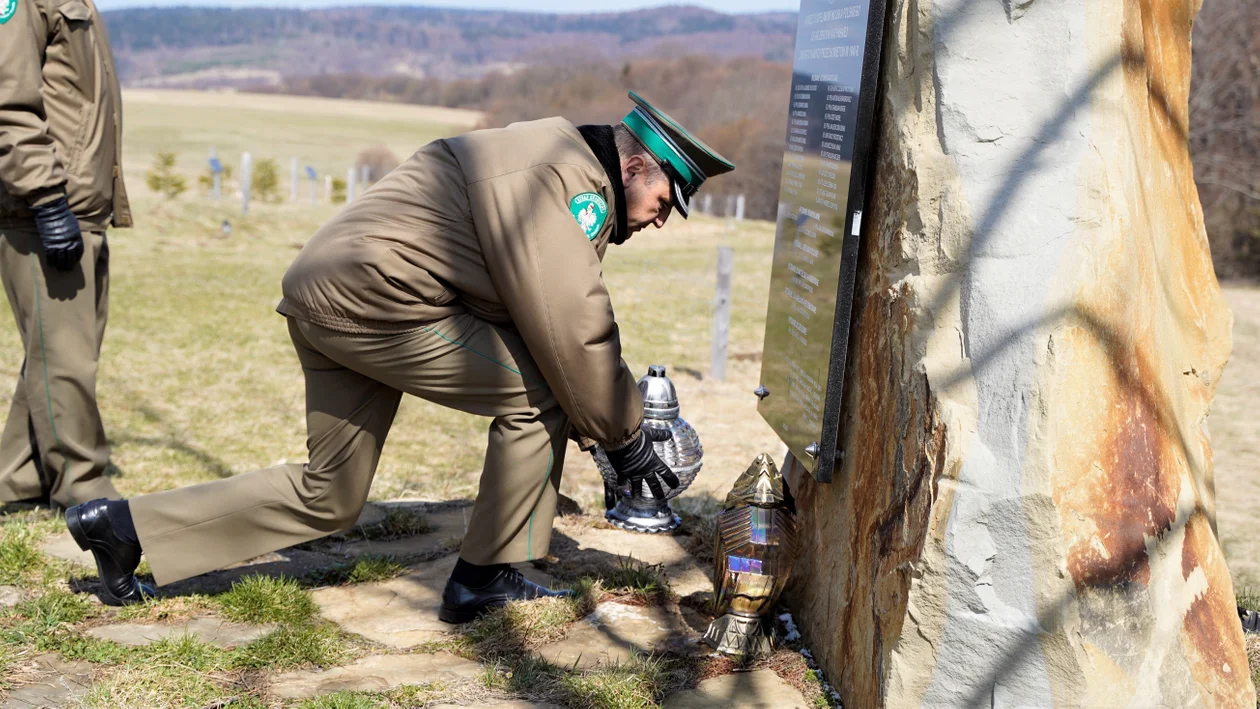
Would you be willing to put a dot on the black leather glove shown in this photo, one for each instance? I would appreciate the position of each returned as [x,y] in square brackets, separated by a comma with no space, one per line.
[639,465]
[59,232]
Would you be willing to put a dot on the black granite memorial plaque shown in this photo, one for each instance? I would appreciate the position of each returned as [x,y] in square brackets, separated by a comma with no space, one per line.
[830,118]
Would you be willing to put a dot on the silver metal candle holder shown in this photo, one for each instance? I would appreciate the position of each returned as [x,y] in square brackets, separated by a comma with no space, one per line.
[640,510]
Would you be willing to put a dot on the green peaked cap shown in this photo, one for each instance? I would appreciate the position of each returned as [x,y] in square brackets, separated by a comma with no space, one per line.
[685,158]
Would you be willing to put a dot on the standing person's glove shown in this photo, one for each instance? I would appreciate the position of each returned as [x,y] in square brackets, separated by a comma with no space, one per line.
[638,463]
[59,232]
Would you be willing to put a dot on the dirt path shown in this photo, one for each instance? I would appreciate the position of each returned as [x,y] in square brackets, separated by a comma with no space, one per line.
[1235,427]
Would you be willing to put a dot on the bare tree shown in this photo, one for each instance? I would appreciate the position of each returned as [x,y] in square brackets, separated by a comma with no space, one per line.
[1225,131]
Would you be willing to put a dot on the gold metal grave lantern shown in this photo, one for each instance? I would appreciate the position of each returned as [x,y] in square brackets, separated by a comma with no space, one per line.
[754,547]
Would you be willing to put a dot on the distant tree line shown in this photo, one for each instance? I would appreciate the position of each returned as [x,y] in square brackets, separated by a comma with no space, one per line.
[739,106]
[1225,131]
[418,28]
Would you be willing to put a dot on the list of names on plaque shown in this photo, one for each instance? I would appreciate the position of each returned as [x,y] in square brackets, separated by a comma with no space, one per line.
[813,209]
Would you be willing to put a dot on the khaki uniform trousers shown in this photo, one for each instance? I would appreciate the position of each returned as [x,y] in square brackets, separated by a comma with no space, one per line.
[53,440]
[353,386]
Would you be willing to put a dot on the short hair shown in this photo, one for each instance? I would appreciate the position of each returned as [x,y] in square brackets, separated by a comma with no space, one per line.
[629,145]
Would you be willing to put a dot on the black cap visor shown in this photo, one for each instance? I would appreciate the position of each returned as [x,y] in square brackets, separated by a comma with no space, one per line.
[683,191]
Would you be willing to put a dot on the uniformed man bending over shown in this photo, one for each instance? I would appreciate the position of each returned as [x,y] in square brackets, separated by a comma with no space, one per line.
[61,185]
[470,277]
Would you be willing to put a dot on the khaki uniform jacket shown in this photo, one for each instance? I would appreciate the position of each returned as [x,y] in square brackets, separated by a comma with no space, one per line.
[60,115]
[481,223]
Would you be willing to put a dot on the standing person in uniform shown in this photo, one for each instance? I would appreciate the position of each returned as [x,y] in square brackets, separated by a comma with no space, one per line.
[61,186]
[470,277]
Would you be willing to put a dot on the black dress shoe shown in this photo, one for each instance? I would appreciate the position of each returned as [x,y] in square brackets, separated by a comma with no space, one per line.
[461,604]
[116,560]
[1250,620]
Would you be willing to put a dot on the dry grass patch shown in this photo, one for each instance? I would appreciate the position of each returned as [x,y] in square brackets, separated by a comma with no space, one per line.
[521,627]
[399,523]
[165,610]
[699,515]
[164,684]
[366,569]
[627,580]
[405,697]
[1252,642]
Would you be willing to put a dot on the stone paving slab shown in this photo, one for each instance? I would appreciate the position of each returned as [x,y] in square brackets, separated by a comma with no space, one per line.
[292,562]
[445,524]
[614,633]
[63,546]
[759,689]
[59,683]
[401,612]
[499,705]
[578,544]
[211,630]
[374,674]
[11,596]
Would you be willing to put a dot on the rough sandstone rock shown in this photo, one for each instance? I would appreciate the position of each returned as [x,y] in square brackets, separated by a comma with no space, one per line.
[1024,515]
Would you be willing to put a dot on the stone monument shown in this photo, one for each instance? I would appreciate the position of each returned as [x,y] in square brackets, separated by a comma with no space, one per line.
[1022,505]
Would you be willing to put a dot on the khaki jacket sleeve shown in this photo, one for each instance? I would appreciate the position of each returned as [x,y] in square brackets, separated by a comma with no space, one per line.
[29,167]
[548,276]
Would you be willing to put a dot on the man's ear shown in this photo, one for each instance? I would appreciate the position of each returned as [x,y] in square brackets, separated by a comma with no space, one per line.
[634,166]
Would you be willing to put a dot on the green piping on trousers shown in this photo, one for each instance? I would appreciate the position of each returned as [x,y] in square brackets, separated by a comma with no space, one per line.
[480,354]
[43,357]
[551,454]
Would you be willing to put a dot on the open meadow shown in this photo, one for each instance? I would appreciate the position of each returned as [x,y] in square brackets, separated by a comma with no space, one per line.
[198,378]
[198,381]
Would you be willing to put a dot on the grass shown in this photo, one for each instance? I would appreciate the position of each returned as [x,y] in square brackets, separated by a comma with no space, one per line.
[398,523]
[366,569]
[18,552]
[198,381]
[266,599]
[1248,598]
[294,646]
[642,582]
[405,697]
[637,684]
[151,124]
[628,580]
[700,513]
[1235,430]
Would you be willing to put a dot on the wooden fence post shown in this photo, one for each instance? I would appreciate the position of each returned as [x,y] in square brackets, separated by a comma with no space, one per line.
[293,180]
[722,312]
[216,176]
[246,172]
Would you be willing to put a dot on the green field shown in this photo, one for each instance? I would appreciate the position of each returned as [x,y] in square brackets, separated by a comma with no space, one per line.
[198,378]
[327,135]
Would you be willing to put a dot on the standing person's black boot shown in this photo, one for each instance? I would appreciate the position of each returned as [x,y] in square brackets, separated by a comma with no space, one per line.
[473,590]
[104,528]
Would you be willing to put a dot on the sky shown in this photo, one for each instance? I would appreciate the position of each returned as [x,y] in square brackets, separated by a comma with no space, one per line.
[523,5]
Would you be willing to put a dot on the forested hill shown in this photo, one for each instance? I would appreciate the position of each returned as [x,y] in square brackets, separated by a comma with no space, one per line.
[192,46]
